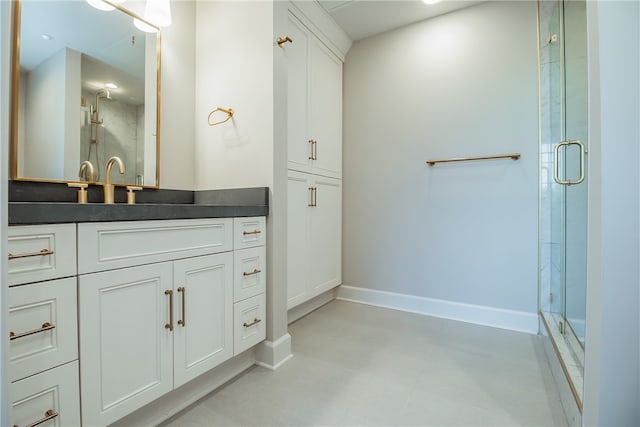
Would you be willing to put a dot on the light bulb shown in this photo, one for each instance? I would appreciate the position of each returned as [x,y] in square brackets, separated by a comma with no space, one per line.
[143,26]
[100,5]
[158,12]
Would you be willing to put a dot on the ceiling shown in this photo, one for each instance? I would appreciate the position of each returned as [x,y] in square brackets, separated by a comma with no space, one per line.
[364,18]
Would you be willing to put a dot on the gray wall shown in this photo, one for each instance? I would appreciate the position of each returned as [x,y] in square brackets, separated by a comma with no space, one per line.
[462,84]
[612,352]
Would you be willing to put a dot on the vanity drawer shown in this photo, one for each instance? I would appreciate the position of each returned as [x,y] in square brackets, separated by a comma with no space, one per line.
[109,245]
[248,323]
[249,266]
[43,321]
[51,395]
[41,252]
[249,232]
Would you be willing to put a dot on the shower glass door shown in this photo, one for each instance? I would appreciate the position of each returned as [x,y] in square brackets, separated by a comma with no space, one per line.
[563,178]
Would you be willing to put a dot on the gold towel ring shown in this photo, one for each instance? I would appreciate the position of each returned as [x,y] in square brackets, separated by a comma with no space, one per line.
[229,113]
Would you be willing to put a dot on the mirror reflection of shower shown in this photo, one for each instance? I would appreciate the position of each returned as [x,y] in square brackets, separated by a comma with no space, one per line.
[96,121]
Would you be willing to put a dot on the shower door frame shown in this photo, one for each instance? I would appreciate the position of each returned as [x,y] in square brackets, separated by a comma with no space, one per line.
[553,306]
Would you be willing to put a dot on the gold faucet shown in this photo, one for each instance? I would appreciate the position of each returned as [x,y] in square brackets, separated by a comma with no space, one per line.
[108,186]
[86,168]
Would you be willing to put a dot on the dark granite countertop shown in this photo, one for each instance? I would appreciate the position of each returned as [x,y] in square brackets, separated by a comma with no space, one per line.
[46,203]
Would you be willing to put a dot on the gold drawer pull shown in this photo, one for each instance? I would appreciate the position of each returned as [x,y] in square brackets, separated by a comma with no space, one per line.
[255,322]
[49,415]
[251,273]
[169,325]
[45,327]
[251,232]
[43,252]
[182,321]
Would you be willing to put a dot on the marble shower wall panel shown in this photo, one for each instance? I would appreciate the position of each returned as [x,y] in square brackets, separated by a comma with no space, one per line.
[550,134]
[117,136]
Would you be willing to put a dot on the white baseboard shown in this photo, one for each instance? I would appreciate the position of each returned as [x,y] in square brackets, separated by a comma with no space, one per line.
[313,304]
[482,315]
[273,354]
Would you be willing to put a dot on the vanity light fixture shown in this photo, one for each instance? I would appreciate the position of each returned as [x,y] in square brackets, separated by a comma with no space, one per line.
[156,12]
[431,1]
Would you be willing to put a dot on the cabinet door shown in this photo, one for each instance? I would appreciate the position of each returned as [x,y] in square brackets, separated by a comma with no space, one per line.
[325,110]
[204,314]
[299,199]
[297,54]
[50,398]
[325,235]
[125,344]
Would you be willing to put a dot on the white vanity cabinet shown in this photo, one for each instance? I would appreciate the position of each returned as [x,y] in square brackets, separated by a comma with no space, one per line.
[314,236]
[147,329]
[42,323]
[249,283]
[314,103]
[106,317]
[158,306]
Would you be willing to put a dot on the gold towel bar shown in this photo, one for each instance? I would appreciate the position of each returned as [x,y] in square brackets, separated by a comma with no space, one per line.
[228,111]
[514,156]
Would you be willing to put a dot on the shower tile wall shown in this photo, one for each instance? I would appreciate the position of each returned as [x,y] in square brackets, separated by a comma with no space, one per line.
[117,136]
[550,133]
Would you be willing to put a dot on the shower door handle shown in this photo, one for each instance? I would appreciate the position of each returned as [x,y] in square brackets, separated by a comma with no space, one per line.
[556,163]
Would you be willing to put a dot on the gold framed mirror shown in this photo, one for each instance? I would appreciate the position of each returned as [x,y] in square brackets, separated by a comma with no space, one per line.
[85,88]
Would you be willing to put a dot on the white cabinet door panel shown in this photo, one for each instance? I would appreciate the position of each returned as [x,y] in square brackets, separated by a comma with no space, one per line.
[326,110]
[297,55]
[297,238]
[325,235]
[314,236]
[125,348]
[204,314]
[314,103]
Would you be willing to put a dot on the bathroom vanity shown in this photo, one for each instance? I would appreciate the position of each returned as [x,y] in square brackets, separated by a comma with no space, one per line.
[107,316]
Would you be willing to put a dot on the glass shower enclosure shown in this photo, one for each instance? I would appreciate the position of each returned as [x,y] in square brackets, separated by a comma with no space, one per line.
[563,181]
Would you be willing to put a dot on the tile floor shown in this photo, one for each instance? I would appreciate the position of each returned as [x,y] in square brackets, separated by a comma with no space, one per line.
[355,364]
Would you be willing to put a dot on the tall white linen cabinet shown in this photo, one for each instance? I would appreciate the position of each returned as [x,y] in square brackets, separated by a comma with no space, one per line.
[314,191]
